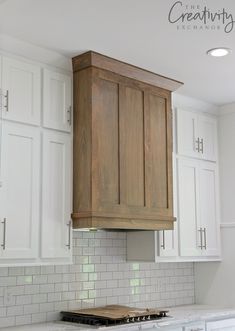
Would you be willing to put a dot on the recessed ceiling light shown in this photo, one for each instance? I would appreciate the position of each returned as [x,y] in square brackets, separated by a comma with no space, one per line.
[219,52]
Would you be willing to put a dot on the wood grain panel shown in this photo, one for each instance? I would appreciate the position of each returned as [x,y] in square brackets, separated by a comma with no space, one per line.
[123,223]
[82,141]
[156,152]
[131,147]
[105,142]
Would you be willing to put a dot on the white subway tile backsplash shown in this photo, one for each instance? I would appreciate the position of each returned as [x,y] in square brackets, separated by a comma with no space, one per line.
[23,299]
[15,310]
[7,281]
[16,271]
[99,276]
[24,319]
[7,321]
[39,298]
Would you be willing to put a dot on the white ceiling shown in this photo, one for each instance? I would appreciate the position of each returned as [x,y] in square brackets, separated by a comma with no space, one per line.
[135,31]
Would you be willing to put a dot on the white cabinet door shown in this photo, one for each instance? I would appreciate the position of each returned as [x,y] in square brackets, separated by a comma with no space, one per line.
[196,135]
[187,133]
[198,208]
[188,207]
[168,243]
[209,208]
[208,138]
[21,85]
[224,325]
[19,195]
[57,103]
[56,195]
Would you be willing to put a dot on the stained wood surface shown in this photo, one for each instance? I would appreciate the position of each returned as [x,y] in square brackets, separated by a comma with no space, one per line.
[131,146]
[117,312]
[122,152]
[121,68]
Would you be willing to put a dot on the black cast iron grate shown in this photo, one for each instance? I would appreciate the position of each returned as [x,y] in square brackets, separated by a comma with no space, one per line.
[101,321]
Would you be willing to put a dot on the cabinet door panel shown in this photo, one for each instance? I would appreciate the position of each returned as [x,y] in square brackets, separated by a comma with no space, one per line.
[188,207]
[56,195]
[207,132]
[131,147]
[106,143]
[20,190]
[208,208]
[168,239]
[22,81]
[168,243]
[187,133]
[156,153]
[57,101]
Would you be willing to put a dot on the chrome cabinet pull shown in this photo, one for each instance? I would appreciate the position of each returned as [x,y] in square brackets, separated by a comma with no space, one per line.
[69,236]
[198,329]
[163,245]
[205,239]
[6,96]
[69,115]
[4,234]
[201,146]
[200,245]
[197,142]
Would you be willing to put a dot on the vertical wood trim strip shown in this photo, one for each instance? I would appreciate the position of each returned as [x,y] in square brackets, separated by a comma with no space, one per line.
[169,156]
[118,128]
[144,154]
[167,153]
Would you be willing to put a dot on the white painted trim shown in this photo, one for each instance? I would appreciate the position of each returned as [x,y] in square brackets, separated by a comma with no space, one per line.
[189,103]
[227,225]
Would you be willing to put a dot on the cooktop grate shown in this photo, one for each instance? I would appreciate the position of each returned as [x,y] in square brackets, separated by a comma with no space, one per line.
[103,321]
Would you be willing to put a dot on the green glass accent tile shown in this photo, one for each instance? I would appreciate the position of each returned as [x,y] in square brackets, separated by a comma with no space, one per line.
[135,266]
[88,268]
[92,294]
[93,277]
[83,295]
[134,282]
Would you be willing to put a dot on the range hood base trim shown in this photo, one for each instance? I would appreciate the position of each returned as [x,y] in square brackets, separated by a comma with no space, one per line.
[122,223]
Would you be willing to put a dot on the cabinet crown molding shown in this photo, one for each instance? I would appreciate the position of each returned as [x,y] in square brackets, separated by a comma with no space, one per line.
[94,59]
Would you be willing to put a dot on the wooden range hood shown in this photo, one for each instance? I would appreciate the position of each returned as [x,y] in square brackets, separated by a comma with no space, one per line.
[122,146]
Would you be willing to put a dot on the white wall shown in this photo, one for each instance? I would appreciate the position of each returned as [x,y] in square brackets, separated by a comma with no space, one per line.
[215,282]
[185,102]
[32,52]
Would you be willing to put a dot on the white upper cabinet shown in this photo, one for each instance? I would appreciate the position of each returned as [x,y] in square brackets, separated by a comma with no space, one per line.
[209,209]
[19,194]
[21,88]
[35,164]
[187,133]
[56,195]
[168,242]
[57,106]
[198,208]
[208,137]
[196,135]
[188,207]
